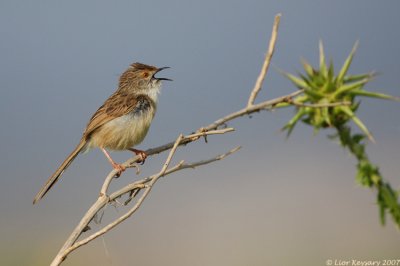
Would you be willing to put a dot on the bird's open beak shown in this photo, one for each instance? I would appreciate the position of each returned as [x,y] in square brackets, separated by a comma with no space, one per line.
[158,70]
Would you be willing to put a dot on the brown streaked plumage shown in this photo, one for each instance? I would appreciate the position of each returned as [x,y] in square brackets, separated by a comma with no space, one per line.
[121,122]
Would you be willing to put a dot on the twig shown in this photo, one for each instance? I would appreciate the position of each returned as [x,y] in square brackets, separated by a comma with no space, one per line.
[181,165]
[315,105]
[267,61]
[320,105]
[203,132]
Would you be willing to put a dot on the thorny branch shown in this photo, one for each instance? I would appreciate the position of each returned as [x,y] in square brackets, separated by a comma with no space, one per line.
[267,61]
[315,105]
[145,185]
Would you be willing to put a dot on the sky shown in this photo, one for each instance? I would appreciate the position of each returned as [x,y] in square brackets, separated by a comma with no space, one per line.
[275,202]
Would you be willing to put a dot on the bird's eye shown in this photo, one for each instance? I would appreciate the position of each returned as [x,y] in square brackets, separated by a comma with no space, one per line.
[145,74]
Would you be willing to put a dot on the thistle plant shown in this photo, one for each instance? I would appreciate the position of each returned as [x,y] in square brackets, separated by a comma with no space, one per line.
[331,101]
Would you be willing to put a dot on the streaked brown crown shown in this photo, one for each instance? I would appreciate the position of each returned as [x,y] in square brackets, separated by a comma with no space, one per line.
[140,67]
[136,76]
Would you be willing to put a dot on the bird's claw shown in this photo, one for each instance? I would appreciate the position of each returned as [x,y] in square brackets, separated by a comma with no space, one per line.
[142,155]
[120,168]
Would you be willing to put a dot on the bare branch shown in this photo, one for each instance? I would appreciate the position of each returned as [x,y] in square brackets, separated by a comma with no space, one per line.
[182,165]
[267,61]
[320,105]
[141,184]
[202,132]
[145,185]
[291,101]
[103,200]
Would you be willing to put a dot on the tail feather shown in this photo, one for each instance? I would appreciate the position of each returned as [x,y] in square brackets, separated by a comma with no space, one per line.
[57,174]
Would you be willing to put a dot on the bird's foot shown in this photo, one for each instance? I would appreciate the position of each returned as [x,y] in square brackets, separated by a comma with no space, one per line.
[141,153]
[119,167]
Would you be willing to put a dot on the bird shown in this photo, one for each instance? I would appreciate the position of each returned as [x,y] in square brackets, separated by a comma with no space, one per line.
[121,122]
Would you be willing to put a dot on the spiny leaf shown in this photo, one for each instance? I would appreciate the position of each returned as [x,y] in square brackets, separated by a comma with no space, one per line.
[351,86]
[346,64]
[325,87]
[292,122]
[331,72]
[315,95]
[305,79]
[322,63]
[307,67]
[374,95]
[357,121]
[361,125]
[354,78]
[296,81]
[325,115]
[318,119]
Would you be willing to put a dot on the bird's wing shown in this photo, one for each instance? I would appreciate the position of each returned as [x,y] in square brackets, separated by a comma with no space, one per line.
[117,105]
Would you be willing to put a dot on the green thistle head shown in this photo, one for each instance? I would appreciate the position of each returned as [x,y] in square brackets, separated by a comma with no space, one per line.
[323,90]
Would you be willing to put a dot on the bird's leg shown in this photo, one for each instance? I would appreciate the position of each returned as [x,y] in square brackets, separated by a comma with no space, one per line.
[115,165]
[141,153]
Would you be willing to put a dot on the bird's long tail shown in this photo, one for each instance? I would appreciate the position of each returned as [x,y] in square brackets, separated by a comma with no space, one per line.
[57,174]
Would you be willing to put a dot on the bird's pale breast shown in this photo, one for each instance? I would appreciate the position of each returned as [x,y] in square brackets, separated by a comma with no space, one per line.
[123,132]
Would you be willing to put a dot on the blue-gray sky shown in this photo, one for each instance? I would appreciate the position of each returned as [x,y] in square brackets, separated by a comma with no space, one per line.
[276,202]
